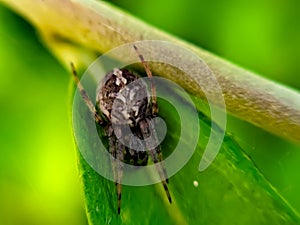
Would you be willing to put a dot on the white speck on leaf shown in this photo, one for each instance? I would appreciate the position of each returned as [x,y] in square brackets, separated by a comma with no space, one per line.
[195,183]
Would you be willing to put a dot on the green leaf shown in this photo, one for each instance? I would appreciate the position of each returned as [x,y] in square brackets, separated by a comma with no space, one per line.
[230,191]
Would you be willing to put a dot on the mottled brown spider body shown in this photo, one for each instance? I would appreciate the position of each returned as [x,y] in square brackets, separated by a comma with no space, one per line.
[123,102]
[114,92]
[123,107]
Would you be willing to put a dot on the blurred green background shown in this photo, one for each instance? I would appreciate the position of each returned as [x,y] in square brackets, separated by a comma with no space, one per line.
[38,177]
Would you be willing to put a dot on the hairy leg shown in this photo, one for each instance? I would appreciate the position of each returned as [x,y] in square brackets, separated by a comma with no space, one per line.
[150,137]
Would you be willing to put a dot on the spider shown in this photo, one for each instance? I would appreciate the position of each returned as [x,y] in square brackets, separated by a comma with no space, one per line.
[113,89]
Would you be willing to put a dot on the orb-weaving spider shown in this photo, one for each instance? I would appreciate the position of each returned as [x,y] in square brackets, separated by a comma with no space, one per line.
[130,111]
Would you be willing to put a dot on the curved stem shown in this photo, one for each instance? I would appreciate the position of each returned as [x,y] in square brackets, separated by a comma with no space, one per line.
[98,26]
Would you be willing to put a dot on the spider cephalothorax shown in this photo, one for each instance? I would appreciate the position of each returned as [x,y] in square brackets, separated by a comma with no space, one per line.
[125,105]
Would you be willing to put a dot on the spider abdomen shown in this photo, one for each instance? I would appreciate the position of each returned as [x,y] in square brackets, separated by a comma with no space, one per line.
[122,97]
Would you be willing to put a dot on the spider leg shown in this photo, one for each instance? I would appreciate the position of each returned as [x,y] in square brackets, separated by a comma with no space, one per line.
[116,149]
[162,172]
[119,173]
[160,159]
[150,137]
[149,74]
[86,98]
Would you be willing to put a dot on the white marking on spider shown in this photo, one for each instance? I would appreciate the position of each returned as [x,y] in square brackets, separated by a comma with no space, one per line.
[136,110]
[120,79]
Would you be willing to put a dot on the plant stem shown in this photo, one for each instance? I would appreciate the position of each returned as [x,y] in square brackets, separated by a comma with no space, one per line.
[98,26]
